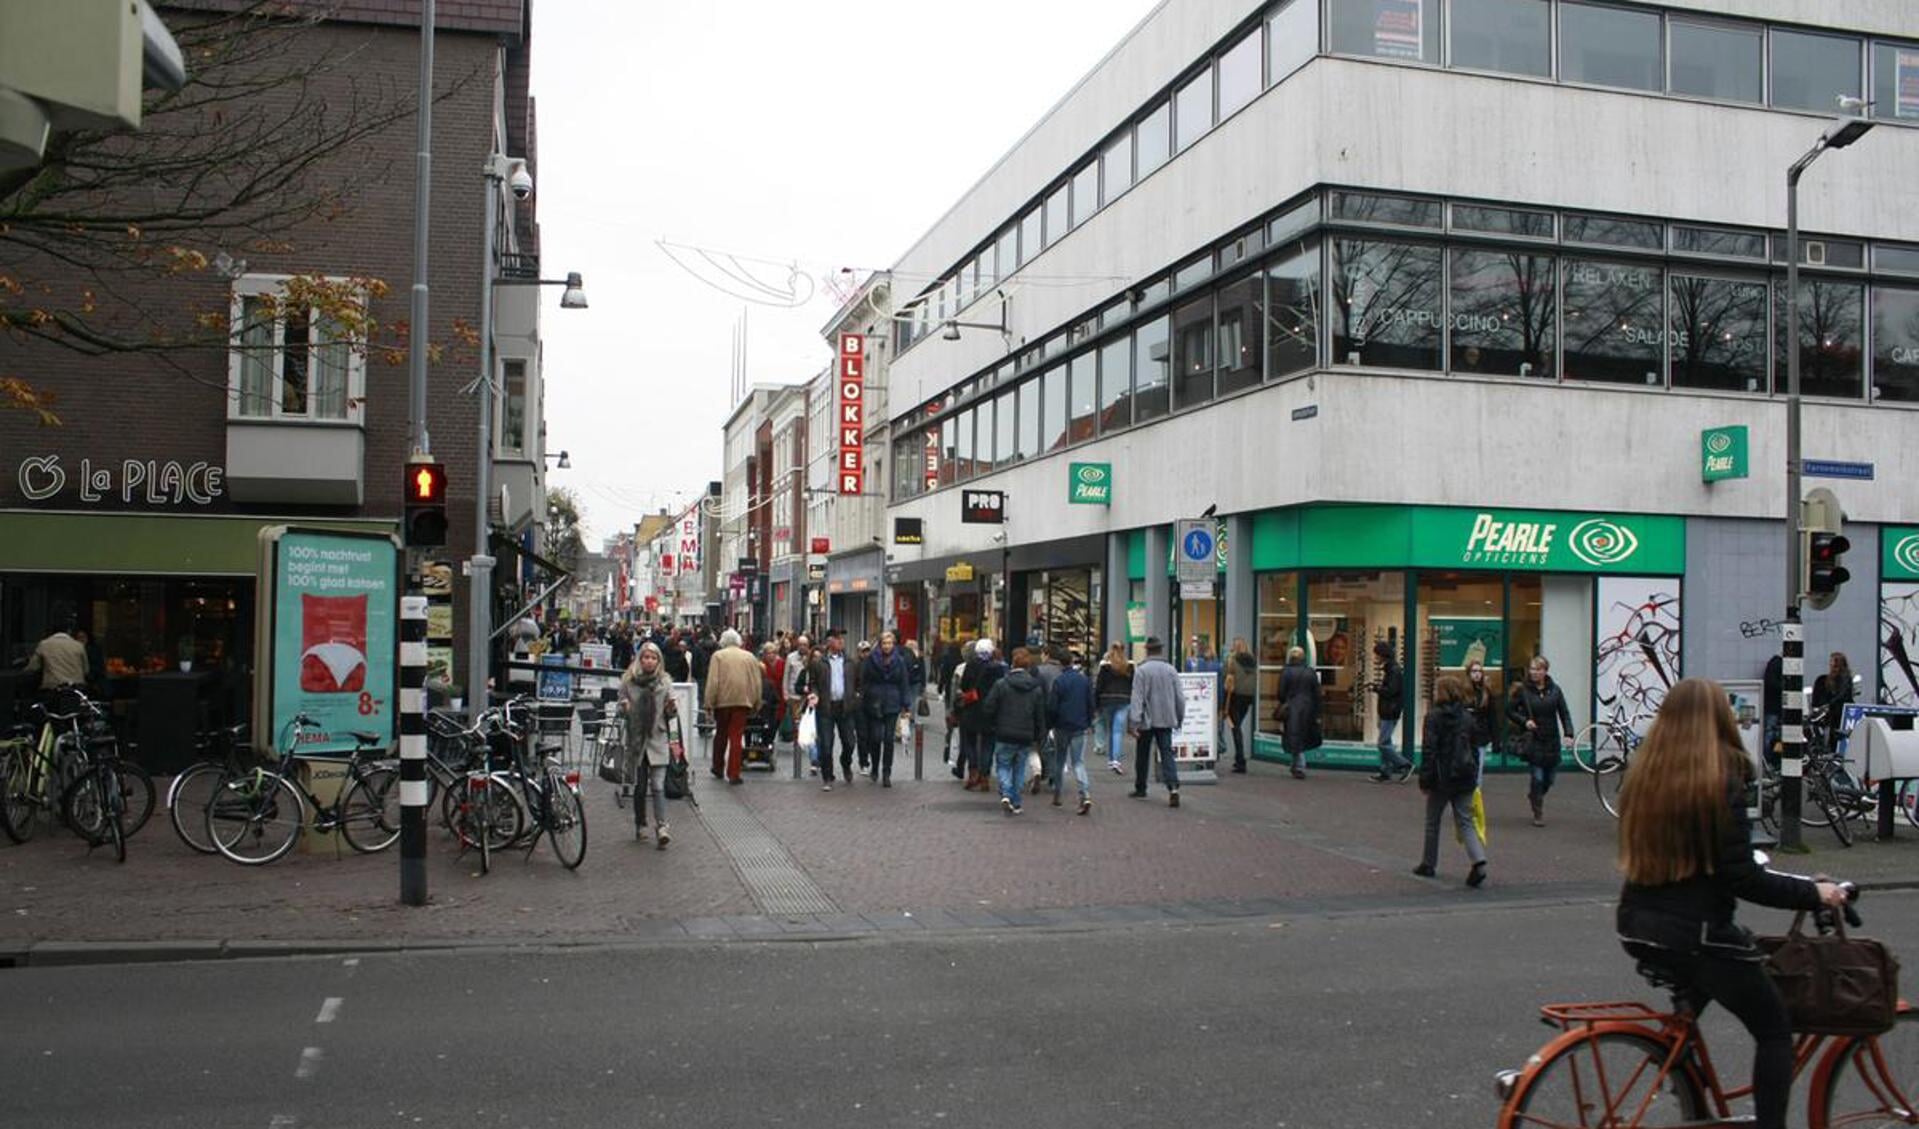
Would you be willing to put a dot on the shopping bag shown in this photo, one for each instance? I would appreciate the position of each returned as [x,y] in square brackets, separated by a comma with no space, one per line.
[903,732]
[806,734]
[1479,819]
[1035,767]
[1833,984]
[610,768]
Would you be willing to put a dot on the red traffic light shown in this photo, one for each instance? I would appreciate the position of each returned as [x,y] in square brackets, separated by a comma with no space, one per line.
[426,484]
[1827,547]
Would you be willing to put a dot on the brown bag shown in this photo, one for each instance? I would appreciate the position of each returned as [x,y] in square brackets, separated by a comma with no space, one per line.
[1833,984]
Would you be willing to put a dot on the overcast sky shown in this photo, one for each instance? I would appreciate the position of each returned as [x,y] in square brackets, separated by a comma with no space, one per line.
[829,134]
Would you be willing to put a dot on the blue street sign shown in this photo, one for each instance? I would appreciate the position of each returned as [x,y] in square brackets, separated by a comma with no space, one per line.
[1832,468]
[1199,546]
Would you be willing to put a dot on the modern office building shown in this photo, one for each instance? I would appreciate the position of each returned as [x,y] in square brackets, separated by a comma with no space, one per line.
[1466,318]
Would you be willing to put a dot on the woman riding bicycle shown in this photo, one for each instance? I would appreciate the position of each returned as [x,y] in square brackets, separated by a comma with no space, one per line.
[1685,847]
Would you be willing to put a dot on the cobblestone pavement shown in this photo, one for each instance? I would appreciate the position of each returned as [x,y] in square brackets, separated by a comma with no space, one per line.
[777,855]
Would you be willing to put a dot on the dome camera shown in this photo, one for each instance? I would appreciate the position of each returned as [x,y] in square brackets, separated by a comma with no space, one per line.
[521,182]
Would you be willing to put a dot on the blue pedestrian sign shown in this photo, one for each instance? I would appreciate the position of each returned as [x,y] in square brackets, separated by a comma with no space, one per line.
[1194,560]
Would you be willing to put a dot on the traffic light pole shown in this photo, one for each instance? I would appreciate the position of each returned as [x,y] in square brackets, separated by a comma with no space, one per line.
[480,565]
[1792,668]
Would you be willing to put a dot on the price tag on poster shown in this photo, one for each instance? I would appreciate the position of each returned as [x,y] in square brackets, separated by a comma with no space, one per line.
[1193,746]
[555,685]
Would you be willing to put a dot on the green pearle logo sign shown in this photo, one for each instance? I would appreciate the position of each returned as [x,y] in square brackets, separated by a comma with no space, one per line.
[1901,558]
[1091,484]
[1722,453]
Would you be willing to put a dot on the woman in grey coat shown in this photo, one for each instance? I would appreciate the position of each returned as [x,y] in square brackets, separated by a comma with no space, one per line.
[1299,709]
[646,697]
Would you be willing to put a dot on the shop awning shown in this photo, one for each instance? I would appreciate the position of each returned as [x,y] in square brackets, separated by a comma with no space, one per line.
[145,544]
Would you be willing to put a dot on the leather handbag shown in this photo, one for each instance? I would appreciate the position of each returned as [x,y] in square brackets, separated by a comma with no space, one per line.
[1833,984]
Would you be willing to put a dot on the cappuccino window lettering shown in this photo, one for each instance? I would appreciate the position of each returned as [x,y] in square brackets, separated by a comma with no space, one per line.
[1502,318]
[1895,335]
[1717,331]
[1614,320]
[1386,304]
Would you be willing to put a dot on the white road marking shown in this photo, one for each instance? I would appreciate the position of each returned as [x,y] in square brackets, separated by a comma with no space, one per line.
[328,1010]
[309,1063]
[351,962]
[283,1121]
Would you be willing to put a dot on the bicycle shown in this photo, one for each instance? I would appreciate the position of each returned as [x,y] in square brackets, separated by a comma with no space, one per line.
[257,814]
[1625,1065]
[1604,746]
[550,796]
[37,773]
[193,791]
[96,803]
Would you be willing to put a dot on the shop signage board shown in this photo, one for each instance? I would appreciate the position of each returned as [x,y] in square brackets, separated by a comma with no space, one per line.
[1193,740]
[816,572]
[909,531]
[961,573]
[852,421]
[982,507]
[1438,537]
[1899,552]
[1090,484]
[1194,551]
[1722,453]
[1135,622]
[331,626]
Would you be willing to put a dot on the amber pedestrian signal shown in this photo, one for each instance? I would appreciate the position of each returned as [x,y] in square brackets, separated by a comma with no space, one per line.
[425,505]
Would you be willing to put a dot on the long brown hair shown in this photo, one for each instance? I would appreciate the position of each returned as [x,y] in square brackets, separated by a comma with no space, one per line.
[1117,660]
[1673,806]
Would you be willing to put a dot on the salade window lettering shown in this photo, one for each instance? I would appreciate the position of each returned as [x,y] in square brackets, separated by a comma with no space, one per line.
[1613,322]
[154,482]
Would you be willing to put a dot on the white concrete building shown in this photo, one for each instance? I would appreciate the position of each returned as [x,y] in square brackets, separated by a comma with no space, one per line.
[1432,303]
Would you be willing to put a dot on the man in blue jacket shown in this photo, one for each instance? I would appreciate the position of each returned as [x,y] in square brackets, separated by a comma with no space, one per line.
[1073,710]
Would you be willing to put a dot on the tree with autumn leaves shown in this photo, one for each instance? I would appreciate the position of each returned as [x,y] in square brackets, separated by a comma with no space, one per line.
[121,244]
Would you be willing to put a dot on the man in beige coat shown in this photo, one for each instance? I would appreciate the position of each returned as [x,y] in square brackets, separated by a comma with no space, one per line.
[732,692]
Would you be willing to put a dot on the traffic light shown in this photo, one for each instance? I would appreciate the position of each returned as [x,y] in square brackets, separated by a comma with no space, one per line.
[1822,543]
[425,505]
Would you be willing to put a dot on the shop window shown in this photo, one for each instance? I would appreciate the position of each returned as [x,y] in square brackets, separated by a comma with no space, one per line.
[963,456]
[292,358]
[1401,211]
[1502,319]
[1030,242]
[1462,621]
[1614,322]
[1082,398]
[1239,74]
[1193,110]
[1116,167]
[1152,363]
[1525,634]
[1278,632]
[1155,134]
[1193,334]
[1718,334]
[1713,60]
[1831,338]
[1293,301]
[1058,217]
[1386,304]
[1085,193]
[1895,339]
[949,451]
[1614,232]
[1116,385]
[1895,68]
[1240,345]
[1609,46]
[1346,613]
[1387,29]
[1292,38]
[1029,446]
[1812,72]
[1509,36]
[1005,443]
[1052,410]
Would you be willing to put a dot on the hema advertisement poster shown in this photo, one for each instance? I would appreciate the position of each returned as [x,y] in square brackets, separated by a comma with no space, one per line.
[334,606]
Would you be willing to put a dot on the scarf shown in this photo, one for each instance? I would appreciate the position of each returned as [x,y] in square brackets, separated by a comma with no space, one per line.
[646,706]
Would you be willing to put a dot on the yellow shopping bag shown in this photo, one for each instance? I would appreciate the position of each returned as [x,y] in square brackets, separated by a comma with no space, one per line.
[1479,819]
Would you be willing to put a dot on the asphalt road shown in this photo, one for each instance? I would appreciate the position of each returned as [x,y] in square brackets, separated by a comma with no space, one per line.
[1393,1016]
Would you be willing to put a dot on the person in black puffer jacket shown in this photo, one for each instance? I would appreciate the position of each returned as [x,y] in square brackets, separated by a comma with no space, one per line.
[1016,709]
[1539,709]
[976,680]
[1686,849]
[1448,774]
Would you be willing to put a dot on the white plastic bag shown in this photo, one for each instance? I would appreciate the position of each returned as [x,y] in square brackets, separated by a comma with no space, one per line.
[806,735]
[903,732]
[1035,767]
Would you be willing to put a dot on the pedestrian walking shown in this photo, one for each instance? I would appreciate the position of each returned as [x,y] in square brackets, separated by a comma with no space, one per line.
[886,692]
[1242,682]
[646,697]
[977,679]
[1049,661]
[1073,711]
[1448,775]
[1390,691]
[836,708]
[1016,707]
[1298,711]
[1482,706]
[1833,689]
[1157,708]
[1543,724]
[1113,688]
[733,690]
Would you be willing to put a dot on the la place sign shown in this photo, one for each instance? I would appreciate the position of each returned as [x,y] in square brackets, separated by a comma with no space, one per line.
[155,482]
[852,396]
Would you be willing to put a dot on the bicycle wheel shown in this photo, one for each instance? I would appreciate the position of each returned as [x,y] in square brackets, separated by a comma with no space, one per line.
[18,805]
[505,817]
[114,816]
[1605,1079]
[255,817]
[1599,748]
[370,811]
[565,821]
[1872,1081]
[1819,798]
[1607,783]
[83,808]
[136,796]
[187,800]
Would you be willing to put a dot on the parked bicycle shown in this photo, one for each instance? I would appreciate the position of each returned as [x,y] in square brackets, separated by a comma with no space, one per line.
[111,799]
[38,767]
[223,754]
[1604,749]
[257,814]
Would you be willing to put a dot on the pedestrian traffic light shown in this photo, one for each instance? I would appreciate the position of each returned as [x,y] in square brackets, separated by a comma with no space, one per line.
[1822,543]
[425,492]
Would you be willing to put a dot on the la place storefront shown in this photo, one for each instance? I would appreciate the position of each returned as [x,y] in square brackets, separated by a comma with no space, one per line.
[1597,594]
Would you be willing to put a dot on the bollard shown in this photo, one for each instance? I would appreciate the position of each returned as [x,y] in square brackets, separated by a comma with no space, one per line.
[919,753]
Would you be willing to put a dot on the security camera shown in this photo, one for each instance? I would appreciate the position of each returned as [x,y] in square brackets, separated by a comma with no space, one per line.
[521,182]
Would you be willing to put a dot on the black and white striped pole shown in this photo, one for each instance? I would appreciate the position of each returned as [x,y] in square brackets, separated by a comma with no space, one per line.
[413,747]
[1792,727]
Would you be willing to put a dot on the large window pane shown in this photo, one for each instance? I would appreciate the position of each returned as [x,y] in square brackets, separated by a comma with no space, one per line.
[1502,320]
[1008,251]
[1503,221]
[1029,236]
[1116,384]
[1512,36]
[1610,46]
[1082,397]
[1367,207]
[1810,72]
[1386,304]
[1293,302]
[1831,338]
[1193,109]
[983,437]
[1895,340]
[1116,168]
[963,448]
[1152,362]
[1278,633]
[1716,61]
[949,452]
[1029,419]
[257,358]
[1155,134]
[1052,409]
[1005,446]
[1895,81]
[1392,29]
[1292,38]
[1241,326]
[1614,321]
[1058,221]
[1615,232]
[1085,193]
[1193,337]
[1239,73]
[1718,334]
[513,407]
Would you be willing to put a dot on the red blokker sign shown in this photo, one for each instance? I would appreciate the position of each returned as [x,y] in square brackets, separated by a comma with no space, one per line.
[852,422]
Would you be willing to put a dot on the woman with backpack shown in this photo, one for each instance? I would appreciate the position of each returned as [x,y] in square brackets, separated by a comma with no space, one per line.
[1448,775]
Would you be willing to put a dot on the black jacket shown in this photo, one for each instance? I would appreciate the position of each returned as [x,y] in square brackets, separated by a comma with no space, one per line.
[1481,711]
[1113,688]
[1391,690]
[1696,914]
[885,685]
[675,662]
[979,676]
[1016,708]
[1299,695]
[1547,707]
[1445,727]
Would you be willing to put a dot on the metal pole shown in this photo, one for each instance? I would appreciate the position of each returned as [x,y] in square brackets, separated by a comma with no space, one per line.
[480,566]
[1792,637]
[412,656]
[422,203]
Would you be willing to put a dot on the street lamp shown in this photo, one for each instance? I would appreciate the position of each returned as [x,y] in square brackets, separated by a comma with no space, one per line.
[565,463]
[1842,132]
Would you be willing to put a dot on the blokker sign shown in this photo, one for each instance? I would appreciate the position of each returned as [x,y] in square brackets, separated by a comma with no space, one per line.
[852,397]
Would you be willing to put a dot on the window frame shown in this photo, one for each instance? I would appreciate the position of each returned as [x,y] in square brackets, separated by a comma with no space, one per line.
[1862,62]
[274,285]
[1705,20]
[1661,74]
[1450,24]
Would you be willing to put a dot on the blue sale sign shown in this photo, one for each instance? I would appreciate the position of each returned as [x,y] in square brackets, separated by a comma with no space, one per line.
[334,602]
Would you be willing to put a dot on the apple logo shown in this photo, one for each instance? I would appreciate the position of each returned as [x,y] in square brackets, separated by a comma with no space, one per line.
[42,477]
